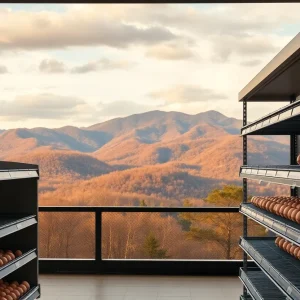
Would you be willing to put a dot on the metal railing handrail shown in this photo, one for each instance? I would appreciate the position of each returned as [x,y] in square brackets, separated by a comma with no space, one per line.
[137,266]
[135,209]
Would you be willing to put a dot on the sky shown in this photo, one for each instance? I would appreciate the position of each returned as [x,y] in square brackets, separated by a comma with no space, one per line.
[81,64]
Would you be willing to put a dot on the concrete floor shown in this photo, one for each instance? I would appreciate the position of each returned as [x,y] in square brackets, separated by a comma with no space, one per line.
[85,287]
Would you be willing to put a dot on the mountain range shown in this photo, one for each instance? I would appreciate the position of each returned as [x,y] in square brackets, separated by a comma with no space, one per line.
[167,156]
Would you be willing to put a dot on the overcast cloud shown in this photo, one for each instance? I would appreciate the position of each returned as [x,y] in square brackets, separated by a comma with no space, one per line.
[186,94]
[170,52]
[123,108]
[184,57]
[3,69]
[251,63]
[102,65]
[46,30]
[41,106]
[51,66]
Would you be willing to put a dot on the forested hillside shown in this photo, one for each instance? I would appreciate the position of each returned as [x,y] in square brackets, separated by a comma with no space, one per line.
[164,157]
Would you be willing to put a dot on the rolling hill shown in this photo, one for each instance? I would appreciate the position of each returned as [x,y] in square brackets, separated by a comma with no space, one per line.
[64,163]
[163,156]
[166,125]
[18,141]
[169,183]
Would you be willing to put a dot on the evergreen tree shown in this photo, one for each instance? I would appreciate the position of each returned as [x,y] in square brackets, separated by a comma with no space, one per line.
[152,248]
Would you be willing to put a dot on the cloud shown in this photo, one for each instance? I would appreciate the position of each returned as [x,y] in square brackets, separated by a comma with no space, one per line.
[48,106]
[218,27]
[122,108]
[40,106]
[186,94]
[3,69]
[251,63]
[153,26]
[103,64]
[51,66]
[86,68]
[246,46]
[40,30]
[170,52]
[215,19]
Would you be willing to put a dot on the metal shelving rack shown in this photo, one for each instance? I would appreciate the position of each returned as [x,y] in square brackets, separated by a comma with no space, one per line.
[19,223]
[276,270]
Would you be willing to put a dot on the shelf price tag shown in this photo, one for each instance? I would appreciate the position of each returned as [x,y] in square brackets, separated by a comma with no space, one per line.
[268,221]
[260,217]
[20,226]
[289,290]
[258,257]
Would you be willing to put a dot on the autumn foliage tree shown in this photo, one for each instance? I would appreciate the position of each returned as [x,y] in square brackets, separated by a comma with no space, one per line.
[143,203]
[220,229]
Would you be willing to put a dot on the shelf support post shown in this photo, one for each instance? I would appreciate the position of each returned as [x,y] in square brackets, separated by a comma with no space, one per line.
[245,192]
[294,152]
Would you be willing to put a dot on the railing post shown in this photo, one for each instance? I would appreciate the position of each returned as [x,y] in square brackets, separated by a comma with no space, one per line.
[98,233]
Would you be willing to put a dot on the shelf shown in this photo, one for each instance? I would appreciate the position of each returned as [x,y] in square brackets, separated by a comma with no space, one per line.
[259,286]
[15,170]
[17,263]
[281,226]
[284,121]
[247,298]
[18,174]
[277,81]
[284,174]
[18,223]
[279,266]
[10,225]
[32,294]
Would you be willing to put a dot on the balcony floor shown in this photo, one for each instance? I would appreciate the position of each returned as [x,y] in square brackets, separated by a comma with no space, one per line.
[111,287]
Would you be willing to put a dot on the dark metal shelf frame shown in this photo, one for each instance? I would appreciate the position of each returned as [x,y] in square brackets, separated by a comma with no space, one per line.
[18,223]
[17,263]
[18,174]
[277,81]
[281,122]
[32,294]
[9,225]
[246,298]
[286,228]
[282,268]
[259,286]
[285,174]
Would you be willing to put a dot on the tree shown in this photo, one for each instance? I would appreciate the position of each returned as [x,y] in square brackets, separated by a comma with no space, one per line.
[143,203]
[152,248]
[222,229]
[185,223]
[229,195]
